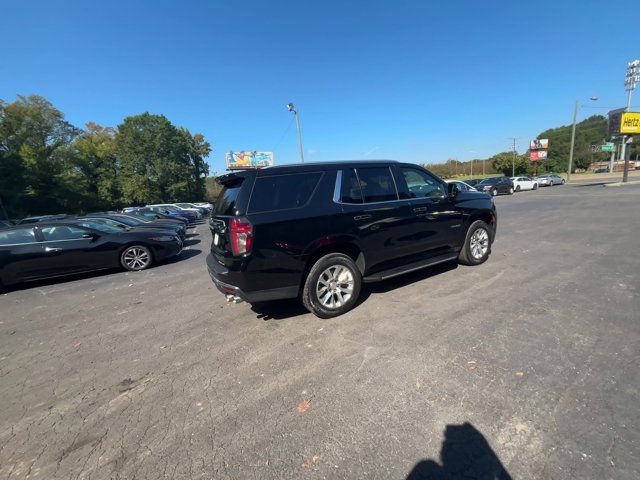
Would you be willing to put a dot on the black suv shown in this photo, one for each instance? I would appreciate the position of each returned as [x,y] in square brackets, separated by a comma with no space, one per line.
[319,230]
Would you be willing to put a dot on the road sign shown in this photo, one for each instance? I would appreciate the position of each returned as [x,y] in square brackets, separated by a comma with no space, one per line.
[608,147]
[630,122]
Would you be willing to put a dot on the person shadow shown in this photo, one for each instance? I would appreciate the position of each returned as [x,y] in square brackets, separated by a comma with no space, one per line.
[465,454]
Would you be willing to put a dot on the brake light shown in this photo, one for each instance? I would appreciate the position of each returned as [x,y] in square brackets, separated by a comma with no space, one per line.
[241,235]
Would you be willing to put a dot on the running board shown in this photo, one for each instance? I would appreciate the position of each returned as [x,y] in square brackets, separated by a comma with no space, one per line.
[410,267]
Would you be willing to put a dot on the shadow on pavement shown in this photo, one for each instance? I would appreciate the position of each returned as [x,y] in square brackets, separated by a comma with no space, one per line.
[465,454]
[279,309]
[283,309]
[191,241]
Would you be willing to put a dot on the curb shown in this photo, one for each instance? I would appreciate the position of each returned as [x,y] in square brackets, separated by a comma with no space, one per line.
[621,184]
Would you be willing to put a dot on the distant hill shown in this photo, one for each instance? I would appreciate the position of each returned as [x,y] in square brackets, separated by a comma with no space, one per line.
[592,131]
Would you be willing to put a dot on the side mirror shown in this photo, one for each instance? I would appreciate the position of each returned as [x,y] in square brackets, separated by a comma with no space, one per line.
[453,190]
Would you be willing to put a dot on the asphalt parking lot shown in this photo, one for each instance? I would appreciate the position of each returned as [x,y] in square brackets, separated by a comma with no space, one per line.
[527,363]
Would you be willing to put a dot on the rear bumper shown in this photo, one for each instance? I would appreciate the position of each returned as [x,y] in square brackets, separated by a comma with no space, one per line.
[229,283]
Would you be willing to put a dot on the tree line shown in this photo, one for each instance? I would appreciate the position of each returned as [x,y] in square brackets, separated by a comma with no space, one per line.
[48,165]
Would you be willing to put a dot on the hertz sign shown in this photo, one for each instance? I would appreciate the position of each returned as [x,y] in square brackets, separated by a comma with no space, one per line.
[630,122]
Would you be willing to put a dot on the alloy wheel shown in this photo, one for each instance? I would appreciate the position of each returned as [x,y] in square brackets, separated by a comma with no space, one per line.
[335,286]
[479,244]
[136,258]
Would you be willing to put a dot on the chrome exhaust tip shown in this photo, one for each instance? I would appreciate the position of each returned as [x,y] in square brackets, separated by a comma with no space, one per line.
[233,298]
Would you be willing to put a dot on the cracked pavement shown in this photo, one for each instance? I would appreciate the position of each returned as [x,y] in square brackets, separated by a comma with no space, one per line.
[152,375]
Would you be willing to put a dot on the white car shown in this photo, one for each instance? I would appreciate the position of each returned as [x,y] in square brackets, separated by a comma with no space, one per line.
[204,204]
[463,187]
[524,183]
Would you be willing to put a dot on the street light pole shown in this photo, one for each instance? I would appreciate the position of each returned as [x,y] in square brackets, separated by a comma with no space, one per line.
[573,139]
[573,136]
[291,108]
[630,81]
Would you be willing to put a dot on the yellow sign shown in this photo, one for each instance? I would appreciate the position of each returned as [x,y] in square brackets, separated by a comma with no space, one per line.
[630,122]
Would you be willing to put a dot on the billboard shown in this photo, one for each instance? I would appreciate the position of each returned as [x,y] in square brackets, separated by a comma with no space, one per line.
[615,119]
[536,155]
[243,160]
[539,144]
[630,122]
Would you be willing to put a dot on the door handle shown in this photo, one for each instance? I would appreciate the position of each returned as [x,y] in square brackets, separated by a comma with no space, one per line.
[421,209]
[52,249]
[362,217]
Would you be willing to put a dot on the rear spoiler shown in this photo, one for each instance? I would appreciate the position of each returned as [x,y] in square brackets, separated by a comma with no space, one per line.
[232,179]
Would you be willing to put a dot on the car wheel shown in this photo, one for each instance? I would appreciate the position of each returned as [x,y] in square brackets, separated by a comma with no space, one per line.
[535,186]
[494,192]
[510,190]
[477,244]
[136,258]
[518,188]
[332,286]
[562,182]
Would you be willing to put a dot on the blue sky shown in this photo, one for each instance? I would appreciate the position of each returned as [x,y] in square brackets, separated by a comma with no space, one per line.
[417,81]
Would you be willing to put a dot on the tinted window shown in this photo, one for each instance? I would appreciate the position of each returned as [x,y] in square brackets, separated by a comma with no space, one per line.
[101,227]
[351,192]
[489,181]
[62,232]
[462,187]
[226,202]
[377,184]
[421,184]
[20,235]
[283,192]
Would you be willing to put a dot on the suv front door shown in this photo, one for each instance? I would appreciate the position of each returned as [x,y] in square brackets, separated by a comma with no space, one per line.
[381,220]
[436,220]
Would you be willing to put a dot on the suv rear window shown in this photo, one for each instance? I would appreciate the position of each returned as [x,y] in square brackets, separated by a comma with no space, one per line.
[17,236]
[226,201]
[377,184]
[283,192]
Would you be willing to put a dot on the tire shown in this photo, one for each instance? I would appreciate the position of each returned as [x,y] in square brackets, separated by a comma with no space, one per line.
[562,182]
[535,186]
[476,257]
[510,190]
[494,192]
[135,258]
[347,280]
[517,188]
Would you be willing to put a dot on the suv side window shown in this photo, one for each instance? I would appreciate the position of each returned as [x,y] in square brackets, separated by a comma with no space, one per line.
[351,191]
[283,192]
[377,184]
[421,184]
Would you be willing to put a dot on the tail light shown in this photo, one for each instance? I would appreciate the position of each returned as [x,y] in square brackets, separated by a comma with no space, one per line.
[241,235]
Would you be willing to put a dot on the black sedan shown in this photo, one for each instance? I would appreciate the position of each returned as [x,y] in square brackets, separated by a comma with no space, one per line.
[495,186]
[52,249]
[142,223]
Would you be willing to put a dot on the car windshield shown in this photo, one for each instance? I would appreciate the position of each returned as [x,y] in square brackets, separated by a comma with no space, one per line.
[488,181]
[100,227]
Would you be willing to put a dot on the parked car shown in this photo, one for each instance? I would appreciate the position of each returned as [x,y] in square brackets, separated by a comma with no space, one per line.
[174,206]
[549,180]
[496,186]
[177,228]
[174,212]
[204,204]
[318,231]
[462,186]
[201,209]
[63,247]
[473,181]
[524,183]
[36,219]
[147,213]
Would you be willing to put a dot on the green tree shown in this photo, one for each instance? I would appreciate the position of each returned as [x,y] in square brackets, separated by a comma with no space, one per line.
[503,162]
[34,141]
[198,149]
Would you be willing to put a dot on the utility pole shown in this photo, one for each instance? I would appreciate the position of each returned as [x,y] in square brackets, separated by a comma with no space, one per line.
[573,139]
[513,161]
[291,108]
